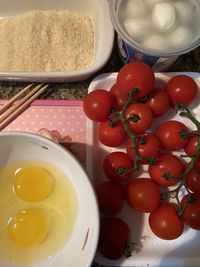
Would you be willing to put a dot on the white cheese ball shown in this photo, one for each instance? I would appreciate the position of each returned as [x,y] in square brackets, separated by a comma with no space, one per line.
[137,28]
[151,3]
[134,8]
[184,11]
[164,16]
[155,42]
[180,37]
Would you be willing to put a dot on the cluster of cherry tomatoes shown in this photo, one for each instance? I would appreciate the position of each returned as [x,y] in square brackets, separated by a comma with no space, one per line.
[125,113]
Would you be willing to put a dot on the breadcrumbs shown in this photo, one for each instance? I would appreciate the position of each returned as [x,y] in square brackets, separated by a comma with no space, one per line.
[46,41]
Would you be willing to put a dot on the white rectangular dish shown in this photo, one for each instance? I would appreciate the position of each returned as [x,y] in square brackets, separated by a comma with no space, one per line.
[149,250]
[103,36]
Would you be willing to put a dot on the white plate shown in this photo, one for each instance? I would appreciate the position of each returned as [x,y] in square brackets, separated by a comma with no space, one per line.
[150,250]
[103,36]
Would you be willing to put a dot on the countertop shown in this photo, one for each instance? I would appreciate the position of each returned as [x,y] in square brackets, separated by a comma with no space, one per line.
[78,90]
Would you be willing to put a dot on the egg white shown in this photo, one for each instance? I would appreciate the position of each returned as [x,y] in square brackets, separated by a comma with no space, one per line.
[60,209]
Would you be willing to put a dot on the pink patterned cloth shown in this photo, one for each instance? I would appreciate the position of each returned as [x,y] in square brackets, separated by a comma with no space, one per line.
[62,121]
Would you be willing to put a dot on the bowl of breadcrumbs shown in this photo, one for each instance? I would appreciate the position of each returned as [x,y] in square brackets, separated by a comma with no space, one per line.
[54,41]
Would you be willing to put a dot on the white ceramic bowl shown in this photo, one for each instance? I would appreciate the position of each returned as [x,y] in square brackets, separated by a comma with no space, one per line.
[103,36]
[80,249]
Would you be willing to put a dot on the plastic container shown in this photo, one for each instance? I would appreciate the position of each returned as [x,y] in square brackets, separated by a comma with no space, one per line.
[130,50]
[103,36]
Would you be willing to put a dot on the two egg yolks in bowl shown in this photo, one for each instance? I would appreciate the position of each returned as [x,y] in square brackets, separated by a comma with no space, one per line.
[38,208]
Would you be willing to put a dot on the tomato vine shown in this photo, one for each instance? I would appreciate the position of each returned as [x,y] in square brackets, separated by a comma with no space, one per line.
[136,103]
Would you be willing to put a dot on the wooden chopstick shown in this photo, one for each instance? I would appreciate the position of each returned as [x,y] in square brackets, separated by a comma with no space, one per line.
[17,106]
[11,113]
[12,100]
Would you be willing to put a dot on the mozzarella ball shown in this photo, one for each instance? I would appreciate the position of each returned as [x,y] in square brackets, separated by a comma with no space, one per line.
[137,28]
[164,16]
[155,42]
[180,37]
[134,8]
[184,11]
[151,3]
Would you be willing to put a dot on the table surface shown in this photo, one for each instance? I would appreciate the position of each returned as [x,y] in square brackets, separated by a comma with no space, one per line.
[78,90]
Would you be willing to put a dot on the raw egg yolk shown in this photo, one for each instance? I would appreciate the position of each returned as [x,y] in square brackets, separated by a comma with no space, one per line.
[28,227]
[33,184]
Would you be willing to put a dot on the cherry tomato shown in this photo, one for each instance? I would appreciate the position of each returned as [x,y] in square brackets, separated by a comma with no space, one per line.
[148,146]
[110,197]
[140,117]
[111,136]
[136,75]
[114,236]
[197,166]
[181,89]
[120,98]
[173,134]
[167,170]
[165,223]
[115,164]
[193,179]
[192,144]
[158,102]
[191,214]
[98,104]
[143,195]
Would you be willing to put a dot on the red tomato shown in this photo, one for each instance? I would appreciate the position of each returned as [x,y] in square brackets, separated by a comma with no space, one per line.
[140,117]
[148,146]
[197,166]
[167,170]
[120,98]
[192,144]
[98,104]
[110,197]
[191,214]
[173,134]
[181,89]
[143,195]
[136,75]
[158,102]
[115,163]
[193,179]
[111,136]
[165,223]
[114,236]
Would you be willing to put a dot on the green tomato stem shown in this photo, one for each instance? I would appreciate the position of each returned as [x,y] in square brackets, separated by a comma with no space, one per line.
[131,135]
[187,114]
